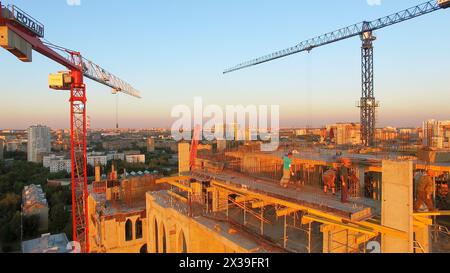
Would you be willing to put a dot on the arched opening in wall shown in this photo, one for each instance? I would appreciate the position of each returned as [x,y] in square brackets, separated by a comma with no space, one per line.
[138,228]
[156,238]
[128,230]
[143,249]
[182,245]
[164,239]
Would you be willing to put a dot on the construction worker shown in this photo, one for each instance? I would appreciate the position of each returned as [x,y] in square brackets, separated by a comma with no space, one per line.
[425,189]
[443,197]
[343,176]
[287,170]
[354,183]
[329,181]
[443,190]
[368,187]
[418,174]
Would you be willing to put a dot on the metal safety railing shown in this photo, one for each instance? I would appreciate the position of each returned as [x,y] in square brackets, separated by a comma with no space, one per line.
[418,247]
[16,14]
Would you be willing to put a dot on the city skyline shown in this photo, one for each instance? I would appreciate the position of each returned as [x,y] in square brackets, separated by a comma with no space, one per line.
[172,38]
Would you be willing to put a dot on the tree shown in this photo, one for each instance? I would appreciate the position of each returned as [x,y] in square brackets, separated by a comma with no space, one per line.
[68,230]
[10,232]
[13,178]
[58,218]
[9,205]
[30,225]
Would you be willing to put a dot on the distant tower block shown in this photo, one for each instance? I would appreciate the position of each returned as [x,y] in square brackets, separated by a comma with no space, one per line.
[98,174]
[150,145]
[39,143]
[184,157]
[221,145]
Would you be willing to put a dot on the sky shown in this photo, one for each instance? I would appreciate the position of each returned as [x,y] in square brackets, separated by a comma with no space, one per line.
[175,50]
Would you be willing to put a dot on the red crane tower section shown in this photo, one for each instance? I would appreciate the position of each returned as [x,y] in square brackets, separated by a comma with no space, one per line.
[194,146]
[20,34]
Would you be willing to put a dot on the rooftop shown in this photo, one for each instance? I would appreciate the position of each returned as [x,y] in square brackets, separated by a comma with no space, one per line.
[233,232]
[47,244]
[32,196]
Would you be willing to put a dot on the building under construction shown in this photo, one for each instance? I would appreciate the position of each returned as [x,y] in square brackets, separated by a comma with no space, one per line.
[117,212]
[231,201]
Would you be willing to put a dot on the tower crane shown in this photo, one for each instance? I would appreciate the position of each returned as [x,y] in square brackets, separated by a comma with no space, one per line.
[368,103]
[20,34]
[194,146]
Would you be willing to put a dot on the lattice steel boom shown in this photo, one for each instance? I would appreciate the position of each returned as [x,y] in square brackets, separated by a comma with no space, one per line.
[347,32]
[98,74]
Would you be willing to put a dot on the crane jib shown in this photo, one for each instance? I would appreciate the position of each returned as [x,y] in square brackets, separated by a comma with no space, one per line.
[348,32]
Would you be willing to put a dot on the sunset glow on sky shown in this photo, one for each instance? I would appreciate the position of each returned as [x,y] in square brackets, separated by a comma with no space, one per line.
[175,50]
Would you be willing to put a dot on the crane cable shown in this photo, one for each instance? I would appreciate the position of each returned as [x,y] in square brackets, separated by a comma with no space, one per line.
[308,83]
[117,111]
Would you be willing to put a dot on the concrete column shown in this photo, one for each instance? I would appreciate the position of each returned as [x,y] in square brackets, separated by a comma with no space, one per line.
[362,178]
[220,200]
[197,193]
[183,157]
[397,205]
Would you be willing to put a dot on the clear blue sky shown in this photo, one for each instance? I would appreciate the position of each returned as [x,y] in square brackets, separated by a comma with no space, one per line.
[173,50]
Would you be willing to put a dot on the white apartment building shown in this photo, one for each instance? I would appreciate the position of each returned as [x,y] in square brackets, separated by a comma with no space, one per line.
[115,156]
[436,134]
[61,165]
[135,159]
[57,163]
[94,159]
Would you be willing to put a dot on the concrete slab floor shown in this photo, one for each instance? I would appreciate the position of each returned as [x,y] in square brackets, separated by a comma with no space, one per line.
[297,239]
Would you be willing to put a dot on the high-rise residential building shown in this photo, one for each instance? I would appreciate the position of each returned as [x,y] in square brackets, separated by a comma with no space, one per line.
[436,134]
[150,145]
[346,133]
[39,143]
